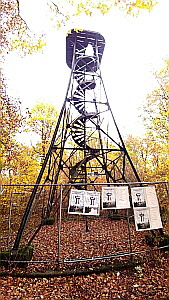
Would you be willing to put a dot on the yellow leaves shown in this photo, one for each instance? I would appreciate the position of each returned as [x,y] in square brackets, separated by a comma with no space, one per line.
[84,8]
[88,7]
[71,2]
[134,7]
[15,25]
[104,8]
[26,46]
[88,12]
[146,4]
[75,29]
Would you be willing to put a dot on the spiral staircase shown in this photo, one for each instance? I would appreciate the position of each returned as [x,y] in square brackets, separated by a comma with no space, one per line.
[86,145]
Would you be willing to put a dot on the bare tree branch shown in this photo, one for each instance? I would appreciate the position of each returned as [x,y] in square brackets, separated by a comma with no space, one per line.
[57,8]
[19,14]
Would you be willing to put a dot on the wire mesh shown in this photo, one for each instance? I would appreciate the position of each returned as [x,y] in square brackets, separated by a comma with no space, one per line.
[73,238]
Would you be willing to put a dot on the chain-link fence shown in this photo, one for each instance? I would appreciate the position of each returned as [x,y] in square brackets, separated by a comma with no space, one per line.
[73,239]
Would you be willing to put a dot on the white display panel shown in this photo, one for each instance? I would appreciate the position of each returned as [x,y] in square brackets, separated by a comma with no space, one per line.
[84,202]
[146,208]
[115,197]
[144,197]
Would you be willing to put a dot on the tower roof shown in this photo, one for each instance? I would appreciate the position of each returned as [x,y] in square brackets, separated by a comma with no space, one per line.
[78,41]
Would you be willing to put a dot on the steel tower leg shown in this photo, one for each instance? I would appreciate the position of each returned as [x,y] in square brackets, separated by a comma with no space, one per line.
[82,149]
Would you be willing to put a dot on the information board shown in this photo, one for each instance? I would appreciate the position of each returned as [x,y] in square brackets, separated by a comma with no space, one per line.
[115,197]
[84,202]
[146,208]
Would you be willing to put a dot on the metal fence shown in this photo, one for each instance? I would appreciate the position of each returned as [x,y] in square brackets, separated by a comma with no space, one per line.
[75,239]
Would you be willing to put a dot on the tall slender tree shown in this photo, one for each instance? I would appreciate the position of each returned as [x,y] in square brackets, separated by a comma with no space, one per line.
[42,121]
[11,121]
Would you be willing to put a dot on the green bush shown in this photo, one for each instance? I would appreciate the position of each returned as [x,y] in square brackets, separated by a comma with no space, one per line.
[163,241]
[150,240]
[49,221]
[160,241]
[23,255]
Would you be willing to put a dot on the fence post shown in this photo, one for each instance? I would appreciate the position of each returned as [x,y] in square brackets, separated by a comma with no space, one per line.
[9,220]
[60,222]
[167,188]
[129,233]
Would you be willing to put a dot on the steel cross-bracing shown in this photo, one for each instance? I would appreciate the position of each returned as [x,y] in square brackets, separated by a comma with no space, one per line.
[86,146]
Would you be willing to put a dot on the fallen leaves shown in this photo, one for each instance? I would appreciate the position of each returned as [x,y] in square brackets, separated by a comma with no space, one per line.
[145,281]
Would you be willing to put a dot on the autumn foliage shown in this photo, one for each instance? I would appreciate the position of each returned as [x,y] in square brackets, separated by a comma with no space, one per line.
[147,279]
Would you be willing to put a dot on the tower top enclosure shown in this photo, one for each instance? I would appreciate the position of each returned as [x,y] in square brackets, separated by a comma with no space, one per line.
[79,43]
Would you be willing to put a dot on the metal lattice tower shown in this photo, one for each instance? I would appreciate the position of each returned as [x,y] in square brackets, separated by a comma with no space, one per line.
[87,146]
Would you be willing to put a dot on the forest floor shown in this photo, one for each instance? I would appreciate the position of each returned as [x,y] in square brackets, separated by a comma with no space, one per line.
[147,279]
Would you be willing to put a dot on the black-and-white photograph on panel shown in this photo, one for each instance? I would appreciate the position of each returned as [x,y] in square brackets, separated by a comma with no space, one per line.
[138,197]
[108,198]
[115,197]
[84,202]
[76,202]
[146,208]
[144,196]
[142,218]
[147,218]
[92,203]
